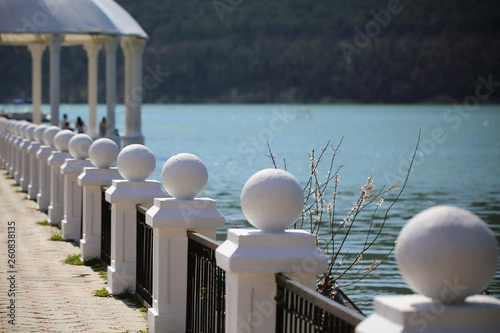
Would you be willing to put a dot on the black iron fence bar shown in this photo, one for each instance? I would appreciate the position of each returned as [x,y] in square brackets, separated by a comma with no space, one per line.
[206,288]
[105,229]
[300,309]
[144,268]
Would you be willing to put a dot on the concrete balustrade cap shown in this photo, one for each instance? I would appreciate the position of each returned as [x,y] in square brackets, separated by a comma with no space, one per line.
[22,129]
[184,176]
[38,133]
[103,153]
[61,140]
[447,253]
[49,134]
[79,146]
[136,162]
[272,200]
[30,132]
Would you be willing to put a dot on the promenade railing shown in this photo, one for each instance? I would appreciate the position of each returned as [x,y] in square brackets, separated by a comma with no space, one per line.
[206,288]
[144,279]
[300,309]
[105,229]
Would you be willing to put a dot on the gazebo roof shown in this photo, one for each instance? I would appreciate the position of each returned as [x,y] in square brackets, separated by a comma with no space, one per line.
[28,21]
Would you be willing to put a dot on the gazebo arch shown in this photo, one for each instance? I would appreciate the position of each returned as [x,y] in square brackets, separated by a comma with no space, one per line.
[95,24]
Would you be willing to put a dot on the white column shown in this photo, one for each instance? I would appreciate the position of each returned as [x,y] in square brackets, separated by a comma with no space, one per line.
[56,208]
[25,173]
[102,153]
[91,180]
[133,48]
[92,50]
[54,42]
[184,176]
[448,255]
[36,51]
[34,164]
[71,224]
[135,164]
[43,196]
[272,200]
[110,44]
[19,152]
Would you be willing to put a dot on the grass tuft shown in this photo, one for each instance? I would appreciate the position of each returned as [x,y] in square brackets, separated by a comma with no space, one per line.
[44,223]
[73,259]
[103,292]
[56,236]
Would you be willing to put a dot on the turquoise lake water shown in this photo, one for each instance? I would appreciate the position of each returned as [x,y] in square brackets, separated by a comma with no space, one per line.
[458,161]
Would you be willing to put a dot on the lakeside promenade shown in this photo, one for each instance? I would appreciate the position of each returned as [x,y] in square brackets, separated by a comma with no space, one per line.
[49,295]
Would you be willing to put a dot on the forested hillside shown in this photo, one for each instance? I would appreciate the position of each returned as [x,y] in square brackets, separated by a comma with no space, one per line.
[303,51]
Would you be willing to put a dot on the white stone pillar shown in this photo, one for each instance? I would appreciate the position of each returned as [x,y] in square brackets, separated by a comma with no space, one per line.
[12,149]
[25,163]
[92,50]
[19,151]
[34,164]
[43,196]
[448,255]
[132,48]
[55,161]
[102,154]
[184,176]
[271,200]
[110,44]
[135,164]
[36,51]
[71,224]
[54,42]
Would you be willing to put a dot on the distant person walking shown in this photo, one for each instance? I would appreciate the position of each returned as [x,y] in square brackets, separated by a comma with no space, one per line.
[102,127]
[80,125]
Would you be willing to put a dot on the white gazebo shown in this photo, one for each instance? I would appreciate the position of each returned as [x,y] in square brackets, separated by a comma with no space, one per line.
[94,24]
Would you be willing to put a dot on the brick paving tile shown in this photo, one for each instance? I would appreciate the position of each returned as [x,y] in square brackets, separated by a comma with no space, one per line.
[51,296]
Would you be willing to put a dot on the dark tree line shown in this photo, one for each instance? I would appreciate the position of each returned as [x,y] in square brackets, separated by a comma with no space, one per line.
[305,51]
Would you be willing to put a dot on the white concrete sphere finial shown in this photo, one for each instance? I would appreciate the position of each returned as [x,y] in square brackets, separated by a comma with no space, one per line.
[61,140]
[79,146]
[184,176]
[103,153]
[272,200]
[136,162]
[38,133]
[49,134]
[447,253]
[30,132]
[23,127]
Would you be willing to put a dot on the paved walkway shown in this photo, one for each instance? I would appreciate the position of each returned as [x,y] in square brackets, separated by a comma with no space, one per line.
[48,295]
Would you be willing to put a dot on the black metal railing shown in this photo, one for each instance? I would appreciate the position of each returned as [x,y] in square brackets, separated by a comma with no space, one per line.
[300,309]
[105,230]
[206,288]
[144,268]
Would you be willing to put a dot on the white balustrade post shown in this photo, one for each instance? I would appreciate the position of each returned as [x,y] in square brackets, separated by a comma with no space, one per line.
[135,163]
[55,161]
[271,200]
[71,224]
[102,154]
[7,139]
[13,151]
[25,162]
[43,155]
[447,255]
[34,165]
[19,151]
[184,176]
